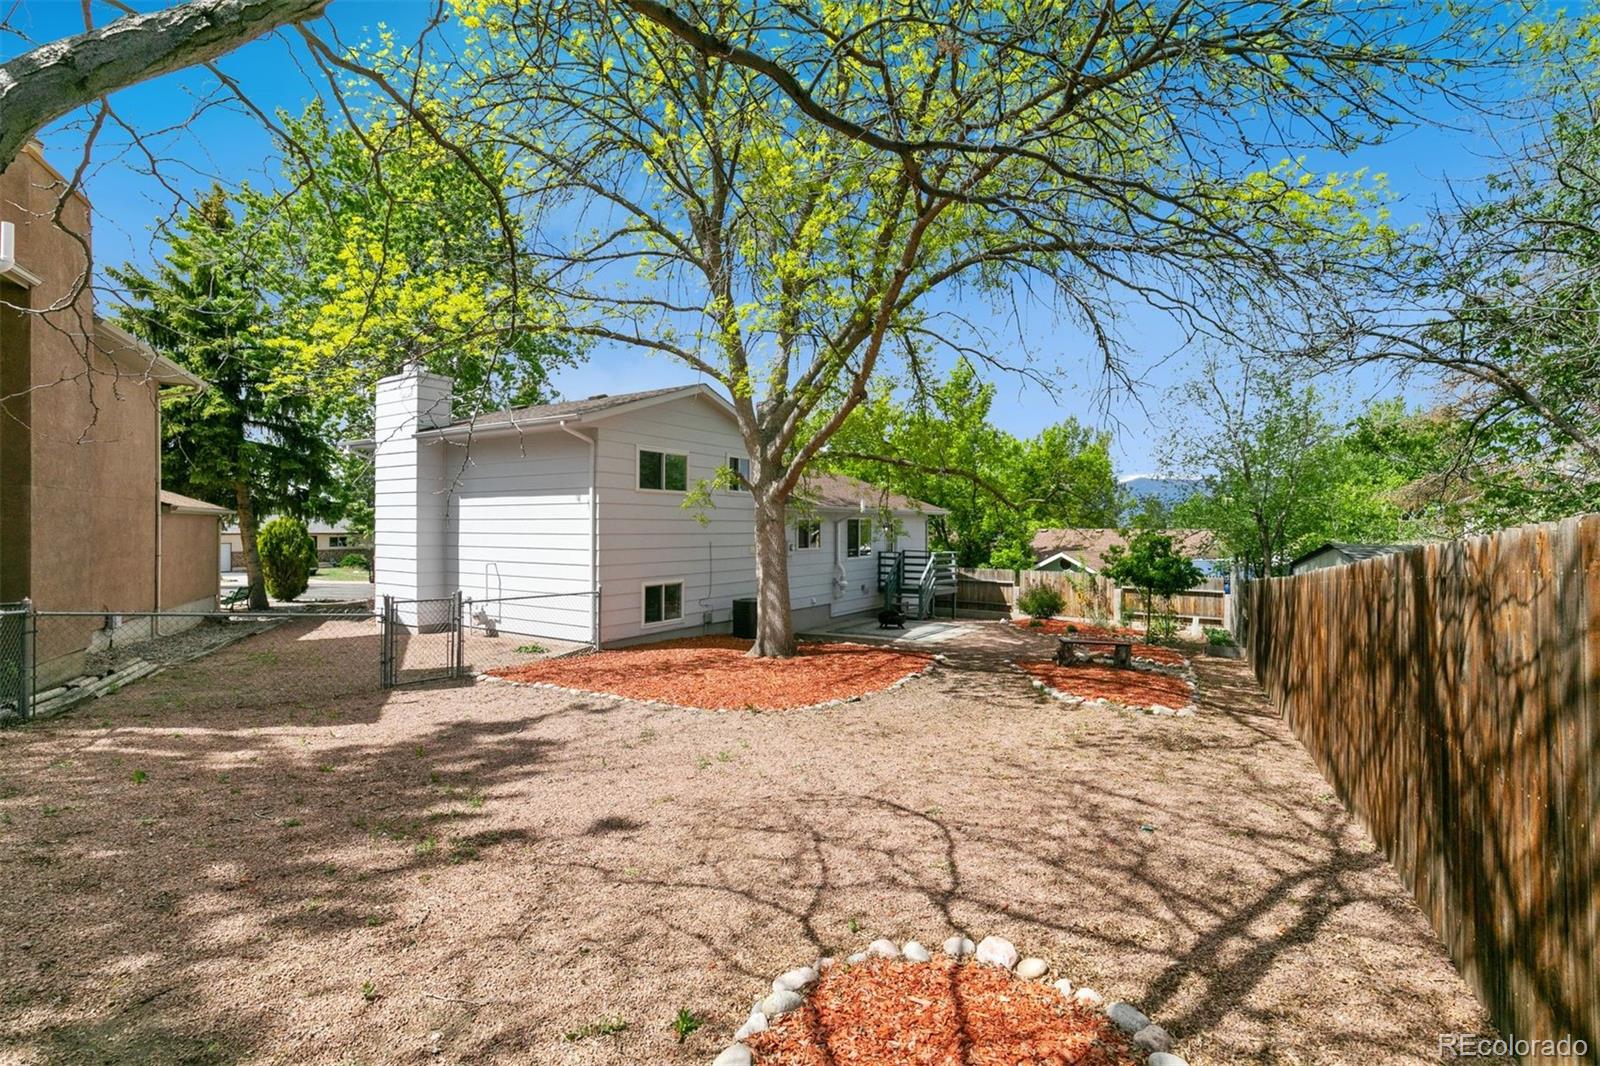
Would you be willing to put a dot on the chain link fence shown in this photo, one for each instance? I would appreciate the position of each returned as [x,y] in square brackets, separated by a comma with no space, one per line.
[75,656]
[51,661]
[504,631]
[16,661]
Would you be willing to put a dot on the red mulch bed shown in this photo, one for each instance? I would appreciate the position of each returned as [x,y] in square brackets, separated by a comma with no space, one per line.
[714,673]
[1119,684]
[939,1013]
[1155,653]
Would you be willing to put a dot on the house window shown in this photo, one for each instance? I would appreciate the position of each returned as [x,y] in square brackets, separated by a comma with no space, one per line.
[338,542]
[663,471]
[663,603]
[858,537]
[807,536]
[741,469]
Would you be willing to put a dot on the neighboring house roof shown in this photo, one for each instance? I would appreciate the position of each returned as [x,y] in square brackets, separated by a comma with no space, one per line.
[840,492]
[136,357]
[1088,547]
[179,504]
[313,526]
[1352,553]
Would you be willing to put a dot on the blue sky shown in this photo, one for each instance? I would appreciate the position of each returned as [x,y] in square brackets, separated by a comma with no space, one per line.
[224,143]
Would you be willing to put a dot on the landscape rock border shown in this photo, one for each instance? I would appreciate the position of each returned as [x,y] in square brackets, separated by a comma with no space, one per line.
[1187,675]
[934,660]
[790,988]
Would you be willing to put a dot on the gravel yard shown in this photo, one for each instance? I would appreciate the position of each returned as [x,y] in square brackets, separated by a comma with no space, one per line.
[260,857]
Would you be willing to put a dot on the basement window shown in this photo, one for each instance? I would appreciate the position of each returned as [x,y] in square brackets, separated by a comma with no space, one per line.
[663,471]
[663,603]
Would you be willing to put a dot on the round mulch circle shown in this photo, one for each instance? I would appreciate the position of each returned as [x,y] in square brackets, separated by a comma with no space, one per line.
[714,673]
[886,1012]
[1114,684]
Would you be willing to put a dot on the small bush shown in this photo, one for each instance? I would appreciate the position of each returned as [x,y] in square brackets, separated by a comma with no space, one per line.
[288,557]
[1218,637]
[354,561]
[1041,601]
[1161,628]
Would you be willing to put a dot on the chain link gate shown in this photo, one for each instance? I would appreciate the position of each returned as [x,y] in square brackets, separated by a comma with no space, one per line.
[421,640]
[16,661]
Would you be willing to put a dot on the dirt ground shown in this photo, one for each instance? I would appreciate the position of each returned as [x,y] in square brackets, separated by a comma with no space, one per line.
[261,857]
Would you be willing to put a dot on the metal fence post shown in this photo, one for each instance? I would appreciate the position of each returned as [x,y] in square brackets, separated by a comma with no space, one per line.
[594,619]
[385,643]
[25,663]
[460,639]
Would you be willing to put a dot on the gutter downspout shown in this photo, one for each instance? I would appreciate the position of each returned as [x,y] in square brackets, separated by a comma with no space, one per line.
[594,532]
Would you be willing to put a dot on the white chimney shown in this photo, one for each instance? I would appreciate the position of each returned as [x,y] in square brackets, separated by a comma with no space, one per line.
[409,502]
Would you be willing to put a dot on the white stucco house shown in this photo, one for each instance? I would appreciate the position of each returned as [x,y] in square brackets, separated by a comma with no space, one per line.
[590,494]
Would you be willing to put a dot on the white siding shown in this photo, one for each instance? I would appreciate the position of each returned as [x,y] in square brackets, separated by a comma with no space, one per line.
[508,518]
[517,527]
[649,537]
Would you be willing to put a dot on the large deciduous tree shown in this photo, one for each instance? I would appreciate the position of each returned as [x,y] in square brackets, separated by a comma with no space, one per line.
[384,249]
[243,443]
[1263,444]
[1501,296]
[774,194]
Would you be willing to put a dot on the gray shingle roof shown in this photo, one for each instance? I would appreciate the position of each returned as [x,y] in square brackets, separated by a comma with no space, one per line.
[1089,545]
[835,491]
[549,412]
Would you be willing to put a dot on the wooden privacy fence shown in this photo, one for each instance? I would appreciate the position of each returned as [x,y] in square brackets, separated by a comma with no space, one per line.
[1204,603]
[1084,595]
[1451,694]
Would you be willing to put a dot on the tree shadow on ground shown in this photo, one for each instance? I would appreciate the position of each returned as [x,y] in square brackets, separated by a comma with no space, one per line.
[344,878]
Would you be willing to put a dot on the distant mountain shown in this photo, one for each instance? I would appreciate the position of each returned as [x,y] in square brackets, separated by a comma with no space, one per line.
[1169,491]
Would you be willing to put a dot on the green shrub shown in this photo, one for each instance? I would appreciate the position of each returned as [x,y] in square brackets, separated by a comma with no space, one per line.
[354,562]
[1219,637]
[288,557]
[1041,601]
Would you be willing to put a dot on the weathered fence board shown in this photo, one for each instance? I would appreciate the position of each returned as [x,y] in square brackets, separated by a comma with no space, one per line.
[1451,695]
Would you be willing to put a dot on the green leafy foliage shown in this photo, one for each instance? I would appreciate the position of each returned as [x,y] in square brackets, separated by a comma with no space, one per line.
[1151,563]
[685,1022]
[999,489]
[288,553]
[795,187]
[245,442]
[1040,601]
[391,250]
[1284,473]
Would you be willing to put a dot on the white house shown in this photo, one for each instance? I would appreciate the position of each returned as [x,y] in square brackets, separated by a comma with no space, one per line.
[590,494]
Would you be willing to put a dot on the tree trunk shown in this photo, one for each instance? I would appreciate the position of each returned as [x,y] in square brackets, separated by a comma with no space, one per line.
[247,544]
[47,82]
[774,626]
